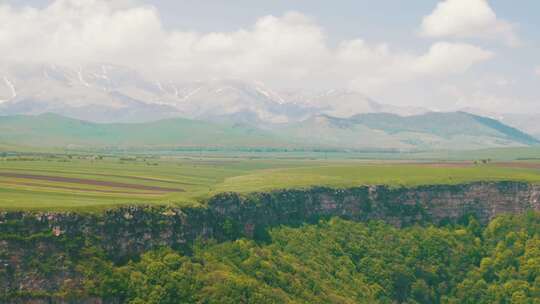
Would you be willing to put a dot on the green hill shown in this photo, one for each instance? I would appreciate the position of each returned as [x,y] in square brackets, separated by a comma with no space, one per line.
[445,125]
[456,130]
[53,131]
[453,130]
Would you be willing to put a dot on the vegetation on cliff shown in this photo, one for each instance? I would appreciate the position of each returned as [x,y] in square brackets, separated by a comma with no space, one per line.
[334,261]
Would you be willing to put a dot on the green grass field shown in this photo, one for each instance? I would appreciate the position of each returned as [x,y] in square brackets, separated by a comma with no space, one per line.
[65,183]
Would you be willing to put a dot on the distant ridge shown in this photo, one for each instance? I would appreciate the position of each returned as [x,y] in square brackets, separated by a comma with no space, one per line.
[444,124]
[433,130]
[52,130]
[508,130]
[108,93]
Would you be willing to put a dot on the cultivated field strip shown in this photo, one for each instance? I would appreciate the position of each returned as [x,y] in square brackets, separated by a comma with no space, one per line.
[24,184]
[95,184]
[90,182]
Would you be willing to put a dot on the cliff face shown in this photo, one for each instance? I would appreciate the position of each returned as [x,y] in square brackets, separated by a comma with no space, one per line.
[127,232]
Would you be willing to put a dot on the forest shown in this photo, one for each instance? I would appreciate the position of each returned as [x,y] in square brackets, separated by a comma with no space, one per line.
[333,261]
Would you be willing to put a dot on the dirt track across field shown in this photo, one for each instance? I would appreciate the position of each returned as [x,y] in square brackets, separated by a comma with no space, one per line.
[91,182]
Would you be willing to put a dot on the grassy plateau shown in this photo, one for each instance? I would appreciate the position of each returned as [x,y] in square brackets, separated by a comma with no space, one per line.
[64,182]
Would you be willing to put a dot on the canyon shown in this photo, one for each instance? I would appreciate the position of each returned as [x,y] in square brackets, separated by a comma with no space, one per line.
[36,247]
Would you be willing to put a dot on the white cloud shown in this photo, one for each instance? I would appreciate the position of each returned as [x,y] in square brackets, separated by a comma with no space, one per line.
[386,68]
[444,57]
[291,50]
[79,31]
[537,71]
[468,19]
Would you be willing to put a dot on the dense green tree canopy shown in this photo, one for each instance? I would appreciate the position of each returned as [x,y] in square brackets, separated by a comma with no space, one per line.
[339,261]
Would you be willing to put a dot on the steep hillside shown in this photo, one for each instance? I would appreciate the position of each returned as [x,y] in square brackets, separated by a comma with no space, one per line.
[527,122]
[530,123]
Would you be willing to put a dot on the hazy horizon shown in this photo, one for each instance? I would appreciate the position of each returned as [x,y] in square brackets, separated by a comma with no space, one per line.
[441,55]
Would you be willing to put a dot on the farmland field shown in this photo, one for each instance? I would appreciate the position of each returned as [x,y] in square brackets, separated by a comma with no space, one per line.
[61,182]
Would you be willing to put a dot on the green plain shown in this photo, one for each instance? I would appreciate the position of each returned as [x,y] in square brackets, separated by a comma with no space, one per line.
[204,176]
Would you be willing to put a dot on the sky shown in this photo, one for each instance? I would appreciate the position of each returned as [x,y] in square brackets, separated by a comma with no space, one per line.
[444,55]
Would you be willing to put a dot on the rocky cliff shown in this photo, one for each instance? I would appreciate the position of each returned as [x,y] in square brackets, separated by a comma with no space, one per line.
[54,239]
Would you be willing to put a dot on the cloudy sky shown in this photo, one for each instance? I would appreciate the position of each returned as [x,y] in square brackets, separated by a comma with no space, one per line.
[439,54]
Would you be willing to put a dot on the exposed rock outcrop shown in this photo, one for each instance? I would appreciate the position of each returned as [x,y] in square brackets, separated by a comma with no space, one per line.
[128,231]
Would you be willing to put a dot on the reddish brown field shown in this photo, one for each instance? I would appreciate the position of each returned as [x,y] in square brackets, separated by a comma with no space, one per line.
[89,182]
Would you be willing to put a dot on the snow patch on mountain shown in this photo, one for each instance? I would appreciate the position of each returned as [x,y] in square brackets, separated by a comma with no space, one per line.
[113,88]
[11,88]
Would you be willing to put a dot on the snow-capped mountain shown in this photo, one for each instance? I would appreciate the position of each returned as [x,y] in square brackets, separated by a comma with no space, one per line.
[218,98]
[110,93]
[7,90]
[344,103]
[102,93]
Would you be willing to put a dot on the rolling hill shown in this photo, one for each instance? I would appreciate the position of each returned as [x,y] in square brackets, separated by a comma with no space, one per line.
[454,130]
[51,130]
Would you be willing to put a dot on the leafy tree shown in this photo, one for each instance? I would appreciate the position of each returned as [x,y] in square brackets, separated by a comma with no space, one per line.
[335,261]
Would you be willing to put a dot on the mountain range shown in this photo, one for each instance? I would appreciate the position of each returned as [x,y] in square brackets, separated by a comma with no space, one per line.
[112,105]
[454,130]
[108,93]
